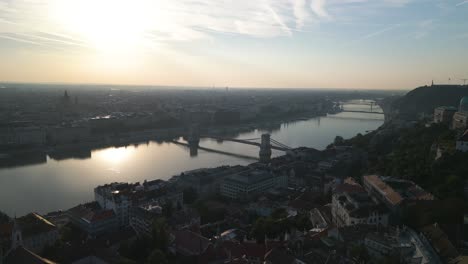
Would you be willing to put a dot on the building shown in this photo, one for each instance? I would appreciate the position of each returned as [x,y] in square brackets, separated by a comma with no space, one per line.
[250,183]
[462,142]
[67,134]
[143,216]
[351,205]
[404,243]
[393,192]
[120,197]
[444,114]
[22,134]
[93,219]
[460,118]
[33,232]
[115,196]
[207,181]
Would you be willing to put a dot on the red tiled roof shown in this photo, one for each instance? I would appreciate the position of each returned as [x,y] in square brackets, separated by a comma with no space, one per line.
[393,197]
[349,188]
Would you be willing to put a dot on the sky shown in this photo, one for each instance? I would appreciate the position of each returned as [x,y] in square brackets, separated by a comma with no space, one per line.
[371,44]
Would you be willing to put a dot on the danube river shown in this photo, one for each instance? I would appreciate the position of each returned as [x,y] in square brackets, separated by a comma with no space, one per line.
[59,185]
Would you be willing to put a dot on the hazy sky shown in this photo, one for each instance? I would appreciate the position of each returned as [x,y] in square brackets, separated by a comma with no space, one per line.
[252,43]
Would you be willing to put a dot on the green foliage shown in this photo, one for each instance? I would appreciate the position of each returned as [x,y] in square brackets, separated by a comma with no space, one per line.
[139,250]
[168,209]
[160,234]
[157,257]
[209,214]
[407,153]
[190,195]
[279,213]
[4,218]
[136,250]
[359,255]
[448,211]
[272,227]
[339,141]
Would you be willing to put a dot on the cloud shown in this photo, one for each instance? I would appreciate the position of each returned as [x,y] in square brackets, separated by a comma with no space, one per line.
[172,20]
[462,3]
[318,6]
[374,34]
[423,28]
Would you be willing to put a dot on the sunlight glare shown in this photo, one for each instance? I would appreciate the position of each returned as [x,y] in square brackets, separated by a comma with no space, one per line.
[107,25]
[115,155]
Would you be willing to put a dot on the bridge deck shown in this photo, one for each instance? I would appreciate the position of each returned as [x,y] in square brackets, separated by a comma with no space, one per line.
[367,112]
[245,142]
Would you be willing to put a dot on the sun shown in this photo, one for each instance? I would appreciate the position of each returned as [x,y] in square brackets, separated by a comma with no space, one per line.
[106,25]
[115,155]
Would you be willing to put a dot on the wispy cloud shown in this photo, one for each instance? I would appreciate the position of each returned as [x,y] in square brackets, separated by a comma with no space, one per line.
[423,28]
[374,34]
[181,20]
[462,3]
[318,7]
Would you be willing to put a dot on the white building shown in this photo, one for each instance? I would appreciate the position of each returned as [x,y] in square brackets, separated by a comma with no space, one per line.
[351,205]
[246,184]
[462,142]
[120,197]
[115,196]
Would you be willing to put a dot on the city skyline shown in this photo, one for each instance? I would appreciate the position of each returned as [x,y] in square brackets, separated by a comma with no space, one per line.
[388,44]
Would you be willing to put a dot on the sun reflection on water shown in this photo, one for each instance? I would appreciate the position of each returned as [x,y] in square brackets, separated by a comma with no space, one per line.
[115,155]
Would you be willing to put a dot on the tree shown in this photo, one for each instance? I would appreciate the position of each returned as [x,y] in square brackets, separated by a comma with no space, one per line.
[157,257]
[359,255]
[339,140]
[190,195]
[160,234]
[279,213]
[168,209]
[4,217]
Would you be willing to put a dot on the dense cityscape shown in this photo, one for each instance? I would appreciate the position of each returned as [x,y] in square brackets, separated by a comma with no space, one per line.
[392,195]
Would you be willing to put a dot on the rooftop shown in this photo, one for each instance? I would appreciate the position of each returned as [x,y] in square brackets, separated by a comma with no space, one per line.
[33,224]
[91,212]
[396,190]
[20,255]
[250,177]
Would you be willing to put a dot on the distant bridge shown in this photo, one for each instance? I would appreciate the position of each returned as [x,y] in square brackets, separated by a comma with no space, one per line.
[371,104]
[194,151]
[366,112]
[266,143]
[273,143]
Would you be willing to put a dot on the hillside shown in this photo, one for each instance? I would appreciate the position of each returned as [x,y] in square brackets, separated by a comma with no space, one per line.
[424,99]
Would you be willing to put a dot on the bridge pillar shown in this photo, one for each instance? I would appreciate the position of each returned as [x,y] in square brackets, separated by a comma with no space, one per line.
[265,149]
[193,138]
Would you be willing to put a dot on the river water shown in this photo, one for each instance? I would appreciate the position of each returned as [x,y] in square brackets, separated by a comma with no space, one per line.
[61,184]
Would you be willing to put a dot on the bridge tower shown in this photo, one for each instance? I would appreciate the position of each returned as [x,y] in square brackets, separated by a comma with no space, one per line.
[193,136]
[265,149]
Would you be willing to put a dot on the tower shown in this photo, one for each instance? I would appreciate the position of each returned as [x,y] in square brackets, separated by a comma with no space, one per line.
[16,235]
[265,149]
[194,136]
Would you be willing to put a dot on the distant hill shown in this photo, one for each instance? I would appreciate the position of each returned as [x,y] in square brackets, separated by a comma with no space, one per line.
[424,99]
